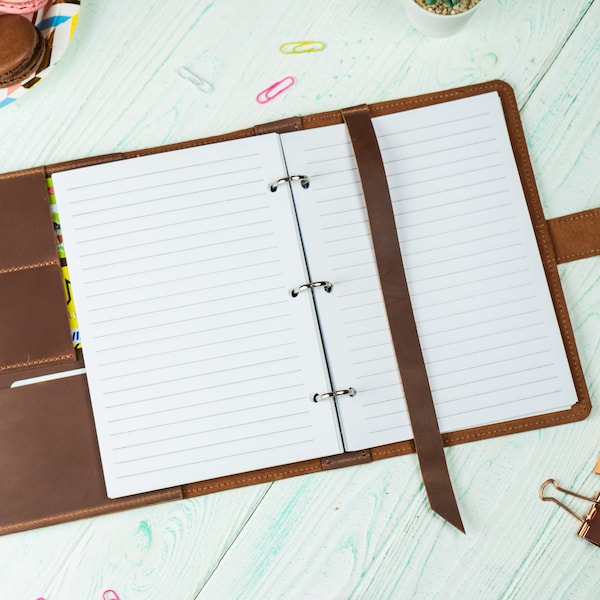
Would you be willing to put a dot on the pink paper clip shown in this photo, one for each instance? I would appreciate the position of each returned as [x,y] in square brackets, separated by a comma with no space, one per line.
[274,90]
[301,47]
[110,595]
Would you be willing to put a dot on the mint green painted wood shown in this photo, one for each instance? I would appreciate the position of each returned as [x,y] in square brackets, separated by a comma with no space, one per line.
[363,533]
[562,124]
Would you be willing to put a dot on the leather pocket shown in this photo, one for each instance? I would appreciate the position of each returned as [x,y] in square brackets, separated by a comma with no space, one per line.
[50,468]
[34,325]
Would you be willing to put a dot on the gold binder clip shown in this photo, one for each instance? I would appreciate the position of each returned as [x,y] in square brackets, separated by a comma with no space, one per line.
[590,526]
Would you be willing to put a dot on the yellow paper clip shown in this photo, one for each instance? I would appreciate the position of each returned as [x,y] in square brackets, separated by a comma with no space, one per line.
[201,84]
[301,47]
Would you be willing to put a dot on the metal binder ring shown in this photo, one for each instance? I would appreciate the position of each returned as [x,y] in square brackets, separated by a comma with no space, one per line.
[304,181]
[328,395]
[326,285]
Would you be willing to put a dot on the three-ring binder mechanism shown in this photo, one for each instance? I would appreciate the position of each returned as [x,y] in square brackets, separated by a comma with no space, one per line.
[303,179]
[326,285]
[590,526]
[334,394]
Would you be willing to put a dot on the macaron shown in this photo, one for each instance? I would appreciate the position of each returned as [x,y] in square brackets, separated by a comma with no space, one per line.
[19,7]
[21,49]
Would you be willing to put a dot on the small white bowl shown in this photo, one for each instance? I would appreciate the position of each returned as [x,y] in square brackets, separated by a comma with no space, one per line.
[434,25]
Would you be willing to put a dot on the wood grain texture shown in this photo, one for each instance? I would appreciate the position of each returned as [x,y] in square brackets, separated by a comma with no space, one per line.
[562,123]
[364,532]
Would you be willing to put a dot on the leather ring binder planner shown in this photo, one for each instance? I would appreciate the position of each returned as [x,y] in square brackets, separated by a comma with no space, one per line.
[200,368]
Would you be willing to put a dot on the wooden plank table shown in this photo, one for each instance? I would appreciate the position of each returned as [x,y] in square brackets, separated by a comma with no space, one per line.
[363,532]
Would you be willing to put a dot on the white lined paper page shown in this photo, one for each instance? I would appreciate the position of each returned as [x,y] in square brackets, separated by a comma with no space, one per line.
[199,362]
[490,338]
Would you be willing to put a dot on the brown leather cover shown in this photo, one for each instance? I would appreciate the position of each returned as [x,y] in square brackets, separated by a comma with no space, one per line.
[49,461]
[34,326]
[50,467]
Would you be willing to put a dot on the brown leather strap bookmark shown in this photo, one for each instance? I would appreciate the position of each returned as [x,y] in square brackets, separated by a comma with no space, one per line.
[428,441]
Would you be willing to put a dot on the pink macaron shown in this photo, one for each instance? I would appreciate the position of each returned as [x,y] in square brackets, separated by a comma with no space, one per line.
[19,7]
